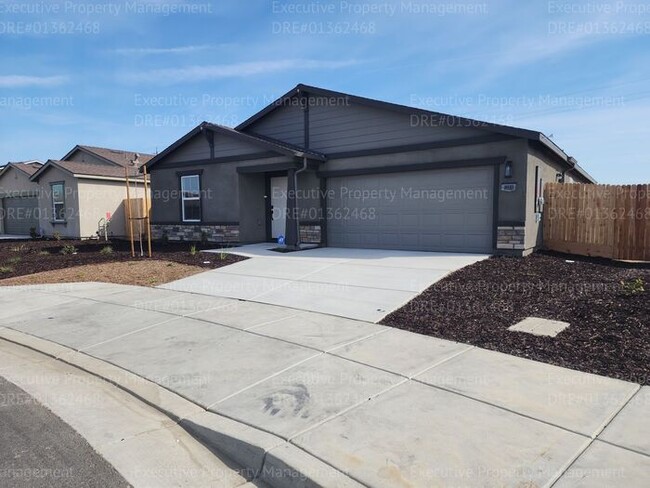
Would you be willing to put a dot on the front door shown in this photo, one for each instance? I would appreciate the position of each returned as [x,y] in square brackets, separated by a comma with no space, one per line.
[278,206]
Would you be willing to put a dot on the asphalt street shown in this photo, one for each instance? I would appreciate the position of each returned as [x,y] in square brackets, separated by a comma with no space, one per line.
[38,449]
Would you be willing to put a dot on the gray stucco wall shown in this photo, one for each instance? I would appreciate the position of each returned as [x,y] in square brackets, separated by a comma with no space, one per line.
[71,227]
[219,189]
[252,217]
[548,170]
[16,183]
[84,157]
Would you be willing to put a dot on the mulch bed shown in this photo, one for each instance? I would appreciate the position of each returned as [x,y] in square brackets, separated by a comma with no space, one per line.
[610,323]
[19,258]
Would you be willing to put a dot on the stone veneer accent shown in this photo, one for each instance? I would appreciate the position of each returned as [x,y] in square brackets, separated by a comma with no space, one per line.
[189,232]
[510,237]
[310,234]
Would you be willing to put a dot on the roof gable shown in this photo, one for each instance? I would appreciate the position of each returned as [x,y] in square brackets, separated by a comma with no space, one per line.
[80,169]
[26,167]
[238,146]
[434,119]
[114,157]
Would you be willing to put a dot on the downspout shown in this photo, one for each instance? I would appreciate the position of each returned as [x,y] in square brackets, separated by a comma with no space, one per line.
[295,187]
[572,166]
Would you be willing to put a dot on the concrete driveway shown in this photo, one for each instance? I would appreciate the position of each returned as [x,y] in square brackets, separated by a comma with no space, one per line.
[363,284]
[327,395]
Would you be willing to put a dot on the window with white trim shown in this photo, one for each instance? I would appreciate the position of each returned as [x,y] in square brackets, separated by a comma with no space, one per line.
[191,198]
[58,202]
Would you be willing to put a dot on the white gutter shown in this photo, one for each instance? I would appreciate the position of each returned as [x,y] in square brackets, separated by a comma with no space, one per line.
[105,178]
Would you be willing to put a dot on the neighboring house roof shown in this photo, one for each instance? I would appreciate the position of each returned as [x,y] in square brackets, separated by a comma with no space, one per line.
[447,119]
[273,145]
[87,170]
[112,156]
[27,167]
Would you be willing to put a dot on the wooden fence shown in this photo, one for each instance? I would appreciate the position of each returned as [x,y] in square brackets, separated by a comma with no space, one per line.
[598,220]
[137,212]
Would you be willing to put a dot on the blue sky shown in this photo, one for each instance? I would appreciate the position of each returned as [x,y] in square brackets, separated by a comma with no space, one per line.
[138,75]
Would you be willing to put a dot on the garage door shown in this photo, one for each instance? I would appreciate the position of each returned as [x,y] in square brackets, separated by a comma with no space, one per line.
[438,210]
[20,214]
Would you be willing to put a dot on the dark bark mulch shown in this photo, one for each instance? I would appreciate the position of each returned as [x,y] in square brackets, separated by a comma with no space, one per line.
[19,258]
[610,322]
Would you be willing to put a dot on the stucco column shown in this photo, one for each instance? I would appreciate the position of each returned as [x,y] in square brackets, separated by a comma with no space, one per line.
[291,237]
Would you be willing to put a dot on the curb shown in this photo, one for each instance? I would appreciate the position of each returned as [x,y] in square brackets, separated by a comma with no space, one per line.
[262,456]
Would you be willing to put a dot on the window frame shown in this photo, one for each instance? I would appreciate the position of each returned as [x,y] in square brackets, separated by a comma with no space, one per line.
[55,217]
[191,199]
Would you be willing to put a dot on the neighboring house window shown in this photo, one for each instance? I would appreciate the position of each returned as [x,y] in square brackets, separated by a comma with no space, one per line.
[191,198]
[58,202]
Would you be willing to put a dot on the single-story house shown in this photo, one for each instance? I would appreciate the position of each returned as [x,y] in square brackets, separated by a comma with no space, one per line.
[74,195]
[319,166]
[18,198]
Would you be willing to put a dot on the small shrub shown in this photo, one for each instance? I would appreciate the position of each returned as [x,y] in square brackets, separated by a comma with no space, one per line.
[14,260]
[193,250]
[224,254]
[33,233]
[69,249]
[56,236]
[633,287]
[204,238]
[106,250]
[6,269]
[165,237]
[19,248]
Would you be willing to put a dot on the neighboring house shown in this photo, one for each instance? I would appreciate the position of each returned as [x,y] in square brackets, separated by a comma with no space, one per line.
[81,189]
[18,198]
[345,171]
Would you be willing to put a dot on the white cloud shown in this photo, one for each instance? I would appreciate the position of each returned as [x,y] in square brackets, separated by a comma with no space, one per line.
[21,81]
[144,51]
[191,74]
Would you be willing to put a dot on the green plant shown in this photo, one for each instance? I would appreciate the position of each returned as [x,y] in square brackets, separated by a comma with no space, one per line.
[43,253]
[14,260]
[164,237]
[33,233]
[106,250]
[204,238]
[632,287]
[19,248]
[6,269]
[68,249]
[193,250]
[56,235]
[223,254]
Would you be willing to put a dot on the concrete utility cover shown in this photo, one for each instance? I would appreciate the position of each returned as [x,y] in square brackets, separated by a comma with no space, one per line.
[361,284]
[539,327]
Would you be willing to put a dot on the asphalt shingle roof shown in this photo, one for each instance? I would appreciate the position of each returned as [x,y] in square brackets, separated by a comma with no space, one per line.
[91,169]
[123,158]
[28,167]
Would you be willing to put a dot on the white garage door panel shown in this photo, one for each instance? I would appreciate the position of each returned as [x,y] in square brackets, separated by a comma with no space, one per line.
[438,210]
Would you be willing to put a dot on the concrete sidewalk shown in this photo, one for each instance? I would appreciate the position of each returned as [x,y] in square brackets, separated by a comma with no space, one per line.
[344,402]
[144,446]
[361,284]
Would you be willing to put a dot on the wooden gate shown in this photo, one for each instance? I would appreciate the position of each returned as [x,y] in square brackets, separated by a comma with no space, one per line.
[611,221]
